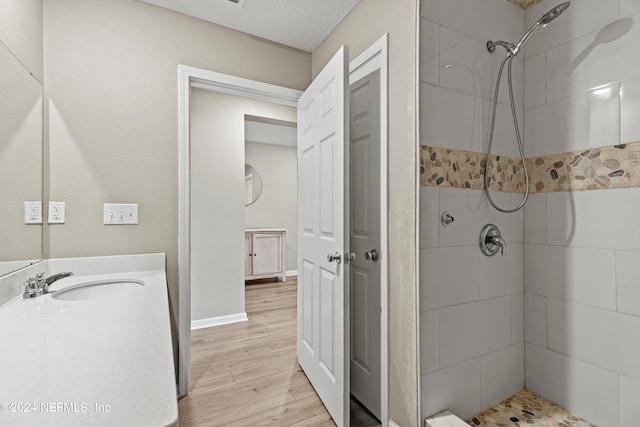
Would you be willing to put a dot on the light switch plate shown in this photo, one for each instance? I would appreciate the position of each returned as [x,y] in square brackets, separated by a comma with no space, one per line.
[120,213]
[56,212]
[33,212]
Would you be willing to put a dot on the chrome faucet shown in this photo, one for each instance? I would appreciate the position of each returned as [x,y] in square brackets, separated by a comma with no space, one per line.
[39,285]
[491,241]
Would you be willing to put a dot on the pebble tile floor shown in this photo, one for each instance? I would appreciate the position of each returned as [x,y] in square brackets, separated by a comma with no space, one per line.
[526,408]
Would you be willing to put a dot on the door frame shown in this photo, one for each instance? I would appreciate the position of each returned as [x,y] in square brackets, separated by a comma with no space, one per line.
[190,77]
[376,58]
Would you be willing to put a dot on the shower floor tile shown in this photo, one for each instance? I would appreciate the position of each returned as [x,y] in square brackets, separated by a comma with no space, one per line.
[526,408]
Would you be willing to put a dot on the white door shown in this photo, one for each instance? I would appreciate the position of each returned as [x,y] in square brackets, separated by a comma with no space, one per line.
[364,123]
[323,305]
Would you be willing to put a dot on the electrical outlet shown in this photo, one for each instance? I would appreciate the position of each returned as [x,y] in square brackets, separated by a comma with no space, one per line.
[56,212]
[120,214]
[33,212]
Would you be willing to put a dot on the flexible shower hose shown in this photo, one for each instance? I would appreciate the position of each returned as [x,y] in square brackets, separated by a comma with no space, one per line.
[509,58]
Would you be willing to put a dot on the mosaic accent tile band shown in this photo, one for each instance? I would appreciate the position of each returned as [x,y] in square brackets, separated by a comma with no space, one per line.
[615,166]
[527,409]
[525,4]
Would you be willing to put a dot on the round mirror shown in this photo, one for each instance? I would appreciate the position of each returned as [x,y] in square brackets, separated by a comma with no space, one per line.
[252,185]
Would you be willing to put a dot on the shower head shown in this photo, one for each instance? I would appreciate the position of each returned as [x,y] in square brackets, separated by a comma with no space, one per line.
[512,49]
[553,13]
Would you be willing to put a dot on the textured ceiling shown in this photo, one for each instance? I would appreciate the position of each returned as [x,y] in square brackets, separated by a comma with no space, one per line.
[525,4]
[302,24]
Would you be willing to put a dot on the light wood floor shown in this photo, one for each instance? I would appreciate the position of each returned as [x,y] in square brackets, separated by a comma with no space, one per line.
[246,374]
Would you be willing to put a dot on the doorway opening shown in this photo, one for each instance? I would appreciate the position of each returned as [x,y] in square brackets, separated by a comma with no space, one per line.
[375,57]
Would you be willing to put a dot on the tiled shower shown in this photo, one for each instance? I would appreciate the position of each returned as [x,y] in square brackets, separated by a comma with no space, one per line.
[559,313]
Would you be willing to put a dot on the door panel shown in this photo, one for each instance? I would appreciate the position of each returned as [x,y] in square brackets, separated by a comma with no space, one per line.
[322,231]
[365,235]
[267,253]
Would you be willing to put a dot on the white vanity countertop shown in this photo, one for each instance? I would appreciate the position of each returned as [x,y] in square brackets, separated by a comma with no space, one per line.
[101,362]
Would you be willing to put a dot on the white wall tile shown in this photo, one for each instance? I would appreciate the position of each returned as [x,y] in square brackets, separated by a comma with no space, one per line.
[627,282]
[517,318]
[502,274]
[581,18]
[456,388]
[448,118]
[584,333]
[595,219]
[628,348]
[582,275]
[511,21]
[630,111]
[629,7]
[429,216]
[473,329]
[467,66]
[535,219]
[504,139]
[501,374]
[583,121]
[595,60]
[475,19]
[472,211]
[629,398]
[517,219]
[442,282]
[535,319]
[429,52]
[534,81]
[429,342]
[582,388]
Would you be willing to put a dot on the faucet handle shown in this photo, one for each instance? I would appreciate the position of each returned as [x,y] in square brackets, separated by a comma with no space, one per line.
[41,279]
[31,288]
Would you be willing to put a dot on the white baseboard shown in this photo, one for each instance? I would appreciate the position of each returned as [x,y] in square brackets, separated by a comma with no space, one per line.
[291,273]
[217,321]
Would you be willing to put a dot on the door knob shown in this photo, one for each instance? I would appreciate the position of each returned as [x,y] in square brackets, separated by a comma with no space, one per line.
[372,255]
[337,257]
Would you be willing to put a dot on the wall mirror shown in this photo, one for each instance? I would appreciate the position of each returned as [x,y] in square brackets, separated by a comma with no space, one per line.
[21,151]
[252,185]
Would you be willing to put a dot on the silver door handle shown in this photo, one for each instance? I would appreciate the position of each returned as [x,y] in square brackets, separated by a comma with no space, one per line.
[372,255]
[337,257]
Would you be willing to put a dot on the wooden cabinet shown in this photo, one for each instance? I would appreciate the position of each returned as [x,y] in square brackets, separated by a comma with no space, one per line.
[264,254]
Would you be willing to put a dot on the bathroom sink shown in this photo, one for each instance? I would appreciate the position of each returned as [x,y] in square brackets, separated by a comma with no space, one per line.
[98,289]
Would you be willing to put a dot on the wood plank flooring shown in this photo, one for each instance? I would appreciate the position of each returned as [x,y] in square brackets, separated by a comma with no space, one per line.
[247,374]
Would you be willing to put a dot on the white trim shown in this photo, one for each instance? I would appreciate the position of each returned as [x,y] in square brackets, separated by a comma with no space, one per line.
[291,273]
[376,58]
[217,321]
[189,77]
[393,423]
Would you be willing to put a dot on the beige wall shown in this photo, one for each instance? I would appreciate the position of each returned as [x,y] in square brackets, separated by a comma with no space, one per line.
[217,198]
[363,26]
[111,76]
[21,31]
[277,206]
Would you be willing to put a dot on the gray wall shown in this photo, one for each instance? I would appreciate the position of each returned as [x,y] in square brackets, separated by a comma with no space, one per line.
[277,206]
